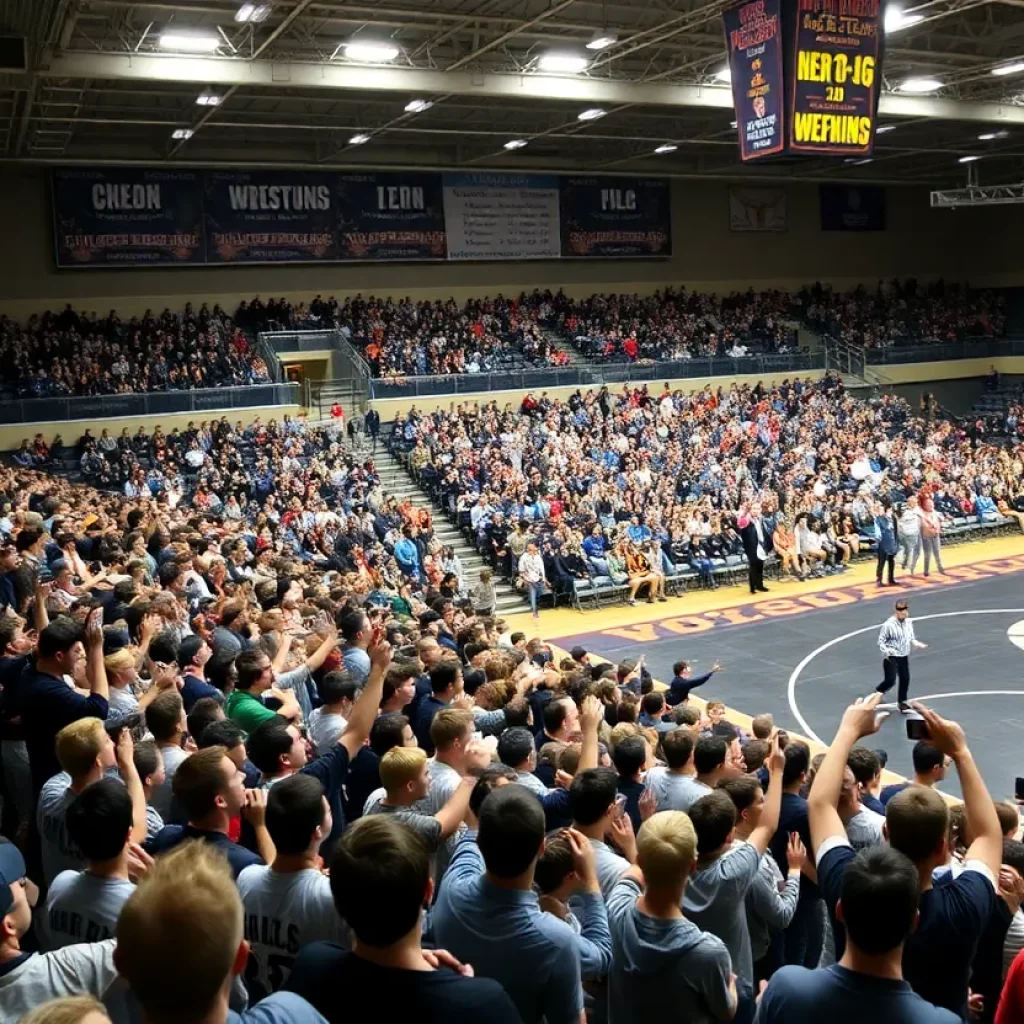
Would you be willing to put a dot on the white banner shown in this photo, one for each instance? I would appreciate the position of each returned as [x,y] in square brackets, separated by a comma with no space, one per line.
[757,209]
[502,217]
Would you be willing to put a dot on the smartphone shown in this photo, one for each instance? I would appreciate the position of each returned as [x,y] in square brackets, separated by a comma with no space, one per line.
[917,728]
[620,807]
[132,722]
[783,739]
[1018,788]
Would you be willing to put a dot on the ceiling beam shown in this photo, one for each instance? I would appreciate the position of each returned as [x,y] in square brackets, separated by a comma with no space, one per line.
[226,71]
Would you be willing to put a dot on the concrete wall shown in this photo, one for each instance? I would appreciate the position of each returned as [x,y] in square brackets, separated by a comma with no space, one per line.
[980,245]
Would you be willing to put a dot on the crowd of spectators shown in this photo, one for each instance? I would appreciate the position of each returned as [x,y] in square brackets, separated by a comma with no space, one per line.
[641,483]
[236,661]
[79,353]
[904,313]
[676,324]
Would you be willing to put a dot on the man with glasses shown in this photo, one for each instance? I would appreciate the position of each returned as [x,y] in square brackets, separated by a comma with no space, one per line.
[895,641]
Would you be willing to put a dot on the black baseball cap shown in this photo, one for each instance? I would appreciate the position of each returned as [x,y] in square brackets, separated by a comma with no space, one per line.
[578,653]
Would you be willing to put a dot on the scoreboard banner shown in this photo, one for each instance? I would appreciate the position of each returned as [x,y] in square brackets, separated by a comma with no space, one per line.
[391,216]
[834,76]
[269,217]
[615,218]
[123,216]
[753,32]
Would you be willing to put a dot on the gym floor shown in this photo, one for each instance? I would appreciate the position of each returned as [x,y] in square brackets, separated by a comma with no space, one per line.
[806,650]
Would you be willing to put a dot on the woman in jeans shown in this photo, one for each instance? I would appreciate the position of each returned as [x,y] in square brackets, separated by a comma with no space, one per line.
[910,533]
[531,573]
[931,534]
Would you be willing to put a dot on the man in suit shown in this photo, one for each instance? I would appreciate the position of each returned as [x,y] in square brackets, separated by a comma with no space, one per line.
[757,543]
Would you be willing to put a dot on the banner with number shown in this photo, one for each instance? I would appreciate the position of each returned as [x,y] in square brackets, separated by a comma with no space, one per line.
[127,217]
[753,34]
[852,208]
[502,216]
[269,217]
[834,76]
[391,216]
[615,218]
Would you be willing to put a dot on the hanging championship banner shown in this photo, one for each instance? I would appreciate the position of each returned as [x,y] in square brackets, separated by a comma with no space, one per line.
[753,33]
[834,74]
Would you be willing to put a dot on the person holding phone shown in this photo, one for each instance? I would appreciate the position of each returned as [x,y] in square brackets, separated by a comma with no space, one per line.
[896,640]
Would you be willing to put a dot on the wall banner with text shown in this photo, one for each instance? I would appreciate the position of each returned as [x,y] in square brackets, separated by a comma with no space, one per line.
[852,208]
[834,75]
[753,34]
[391,216]
[269,217]
[615,218]
[124,216]
[502,216]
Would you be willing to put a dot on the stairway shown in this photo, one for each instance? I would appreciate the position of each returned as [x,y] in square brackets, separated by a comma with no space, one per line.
[397,481]
[565,345]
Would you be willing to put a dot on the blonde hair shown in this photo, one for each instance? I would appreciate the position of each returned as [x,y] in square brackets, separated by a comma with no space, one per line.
[449,725]
[78,746]
[70,1010]
[119,660]
[187,912]
[621,732]
[401,765]
[666,848]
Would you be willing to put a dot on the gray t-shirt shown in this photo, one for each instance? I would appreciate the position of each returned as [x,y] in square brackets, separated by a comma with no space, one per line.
[58,852]
[610,866]
[428,827]
[663,970]
[81,907]
[325,729]
[715,901]
[357,661]
[154,821]
[161,796]
[864,829]
[675,792]
[122,702]
[284,911]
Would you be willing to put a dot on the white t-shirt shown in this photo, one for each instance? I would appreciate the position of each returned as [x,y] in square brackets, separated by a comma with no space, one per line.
[84,908]
[283,913]
[325,728]
[58,852]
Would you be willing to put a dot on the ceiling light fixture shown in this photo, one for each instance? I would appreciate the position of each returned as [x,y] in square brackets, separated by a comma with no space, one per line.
[885,128]
[724,74]
[1009,69]
[920,85]
[563,62]
[895,19]
[208,98]
[667,147]
[992,136]
[733,124]
[515,144]
[602,39]
[368,51]
[417,106]
[189,42]
[968,159]
[182,133]
[359,140]
[590,114]
[252,13]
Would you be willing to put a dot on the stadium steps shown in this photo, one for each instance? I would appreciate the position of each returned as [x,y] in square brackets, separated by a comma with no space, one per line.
[397,481]
[557,341]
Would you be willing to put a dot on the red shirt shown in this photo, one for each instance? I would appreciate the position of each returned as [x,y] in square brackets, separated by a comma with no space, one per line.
[1011,1003]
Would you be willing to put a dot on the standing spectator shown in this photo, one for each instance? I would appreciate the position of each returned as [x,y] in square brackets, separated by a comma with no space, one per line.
[532,576]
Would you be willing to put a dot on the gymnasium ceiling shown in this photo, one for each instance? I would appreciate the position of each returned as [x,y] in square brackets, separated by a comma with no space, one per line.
[101,88]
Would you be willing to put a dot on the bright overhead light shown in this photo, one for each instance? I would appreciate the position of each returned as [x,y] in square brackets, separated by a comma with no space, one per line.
[563,63]
[667,147]
[182,133]
[723,74]
[920,85]
[368,51]
[602,40]
[861,163]
[359,140]
[208,98]
[968,159]
[991,136]
[591,114]
[189,42]
[1009,69]
[733,124]
[252,13]
[895,19]
[885,128]
[417,106]
[515,143]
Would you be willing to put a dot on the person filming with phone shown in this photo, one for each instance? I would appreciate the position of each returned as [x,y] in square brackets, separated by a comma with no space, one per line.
[895,641]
